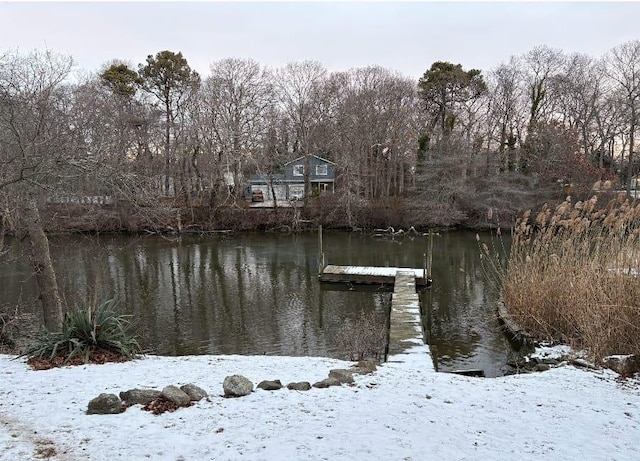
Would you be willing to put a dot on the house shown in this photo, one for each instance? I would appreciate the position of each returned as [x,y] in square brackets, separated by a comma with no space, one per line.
[290,185]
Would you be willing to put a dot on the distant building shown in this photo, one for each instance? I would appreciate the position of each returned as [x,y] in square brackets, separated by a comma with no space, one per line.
[290,185]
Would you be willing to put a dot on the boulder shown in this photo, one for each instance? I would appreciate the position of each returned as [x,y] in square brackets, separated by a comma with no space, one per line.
[541,367]
[176,395]
[344,376]
[139,396]
[301,386]
[625,365]
[194,392]
[364,367]
[237,386]
[105,404]
[270,385]
[327,382]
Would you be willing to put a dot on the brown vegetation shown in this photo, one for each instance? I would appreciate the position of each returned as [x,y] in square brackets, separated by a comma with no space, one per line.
[97,357]
[161,405]
[366,338]
[573,275]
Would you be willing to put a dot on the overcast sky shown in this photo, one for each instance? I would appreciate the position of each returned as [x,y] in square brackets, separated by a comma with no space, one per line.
[406,37]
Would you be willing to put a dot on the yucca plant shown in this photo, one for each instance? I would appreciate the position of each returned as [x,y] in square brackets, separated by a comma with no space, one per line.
[87,331]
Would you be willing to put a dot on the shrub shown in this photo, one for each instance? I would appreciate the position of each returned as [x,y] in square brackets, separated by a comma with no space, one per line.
[8,329]
[364,339]
[87,332]
[572,275]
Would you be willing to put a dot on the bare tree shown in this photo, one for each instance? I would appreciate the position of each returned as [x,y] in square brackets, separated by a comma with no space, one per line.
[540,66]
[298,87]
[578,89]
[623,68]
[507,96]
[37,140]
[375,123]
[237,96]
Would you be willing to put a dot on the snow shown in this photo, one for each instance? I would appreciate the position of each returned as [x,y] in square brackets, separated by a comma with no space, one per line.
[403,411]
[552,352]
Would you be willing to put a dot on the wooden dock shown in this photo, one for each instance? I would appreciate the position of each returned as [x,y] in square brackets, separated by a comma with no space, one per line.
[406,337]
[370,275]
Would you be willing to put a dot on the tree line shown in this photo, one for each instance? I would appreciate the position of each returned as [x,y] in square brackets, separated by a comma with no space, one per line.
[160,130]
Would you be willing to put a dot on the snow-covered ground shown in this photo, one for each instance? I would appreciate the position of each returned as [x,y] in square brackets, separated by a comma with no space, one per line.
[401,412]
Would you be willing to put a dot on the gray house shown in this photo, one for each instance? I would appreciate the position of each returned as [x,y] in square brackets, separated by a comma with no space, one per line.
[290,185]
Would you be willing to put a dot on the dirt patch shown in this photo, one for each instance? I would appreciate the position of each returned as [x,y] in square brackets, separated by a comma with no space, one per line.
[96,357]
[45,449]
[161,405]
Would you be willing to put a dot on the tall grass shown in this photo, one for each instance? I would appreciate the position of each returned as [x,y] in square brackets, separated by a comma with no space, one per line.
[573,275]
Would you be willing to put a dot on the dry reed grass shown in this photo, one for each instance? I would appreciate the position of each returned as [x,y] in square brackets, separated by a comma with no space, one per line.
[573,275]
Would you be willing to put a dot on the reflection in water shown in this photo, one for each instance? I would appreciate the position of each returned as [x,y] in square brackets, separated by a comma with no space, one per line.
[464,333]
[259,294]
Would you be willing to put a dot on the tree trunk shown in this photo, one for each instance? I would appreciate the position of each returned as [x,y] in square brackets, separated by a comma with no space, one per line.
[167,150]
[3,221]
[632,135]
[41,261]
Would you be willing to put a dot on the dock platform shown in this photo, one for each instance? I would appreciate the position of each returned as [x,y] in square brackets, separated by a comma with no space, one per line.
[370,274]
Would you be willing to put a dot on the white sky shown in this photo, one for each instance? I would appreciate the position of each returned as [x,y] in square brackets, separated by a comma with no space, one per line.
[404,36]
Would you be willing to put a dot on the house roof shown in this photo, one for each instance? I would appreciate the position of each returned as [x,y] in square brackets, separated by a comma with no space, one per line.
[319,158]
[266,177]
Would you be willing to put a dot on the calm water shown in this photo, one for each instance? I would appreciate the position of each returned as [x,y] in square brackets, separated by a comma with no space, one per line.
[259,293]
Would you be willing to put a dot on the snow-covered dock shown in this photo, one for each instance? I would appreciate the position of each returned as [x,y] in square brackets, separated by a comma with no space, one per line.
[406,337]
[369,274]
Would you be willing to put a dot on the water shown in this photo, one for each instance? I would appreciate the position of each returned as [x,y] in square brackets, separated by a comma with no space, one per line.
[259,293]
[460,309]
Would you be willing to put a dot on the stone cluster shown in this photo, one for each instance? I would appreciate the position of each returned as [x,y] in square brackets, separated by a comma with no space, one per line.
[108,404]
[233,386]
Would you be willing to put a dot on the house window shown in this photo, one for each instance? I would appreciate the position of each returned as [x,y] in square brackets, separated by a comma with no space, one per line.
[298,170]
[321,170]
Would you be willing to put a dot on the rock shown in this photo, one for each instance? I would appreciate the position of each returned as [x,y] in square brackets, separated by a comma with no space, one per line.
[139,396]
[327,382]
[625,365]
[194,392]
[344,376]
[365,367]
[176,395]
[237,386]
[105,404]
[541,367]
[301,386]
[270,385]
[520,362]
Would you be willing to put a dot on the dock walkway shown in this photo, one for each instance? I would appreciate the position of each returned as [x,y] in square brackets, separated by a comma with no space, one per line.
[406,338]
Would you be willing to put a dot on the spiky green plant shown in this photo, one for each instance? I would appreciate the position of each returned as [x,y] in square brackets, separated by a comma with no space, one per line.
[85,331]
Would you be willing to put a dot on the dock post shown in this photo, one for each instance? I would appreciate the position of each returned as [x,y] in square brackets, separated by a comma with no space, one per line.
[430,255]
[424,266]
[320,251]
